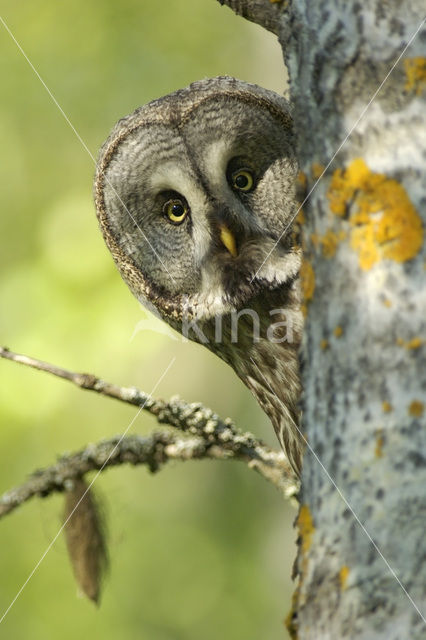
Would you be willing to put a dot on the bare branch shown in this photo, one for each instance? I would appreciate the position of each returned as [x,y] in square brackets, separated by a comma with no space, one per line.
[208,437]
[88,381]
[263,12]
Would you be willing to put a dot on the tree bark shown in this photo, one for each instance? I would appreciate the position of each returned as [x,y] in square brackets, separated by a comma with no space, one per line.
[357,83]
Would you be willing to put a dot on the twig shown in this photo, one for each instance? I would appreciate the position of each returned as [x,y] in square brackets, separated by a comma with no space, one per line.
[263,12]
[208,436]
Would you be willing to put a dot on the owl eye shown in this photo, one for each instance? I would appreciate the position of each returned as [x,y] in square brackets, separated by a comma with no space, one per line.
[242,180]
[175,210]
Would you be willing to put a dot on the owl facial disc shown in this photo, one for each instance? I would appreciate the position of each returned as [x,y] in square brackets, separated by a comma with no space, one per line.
[192,192]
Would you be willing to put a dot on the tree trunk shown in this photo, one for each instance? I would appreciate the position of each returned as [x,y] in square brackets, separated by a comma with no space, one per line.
[357,82]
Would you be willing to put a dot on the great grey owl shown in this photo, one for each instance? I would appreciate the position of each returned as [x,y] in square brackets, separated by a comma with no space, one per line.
[193,192]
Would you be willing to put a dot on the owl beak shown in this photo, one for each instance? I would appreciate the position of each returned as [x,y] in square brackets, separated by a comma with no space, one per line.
[228,239]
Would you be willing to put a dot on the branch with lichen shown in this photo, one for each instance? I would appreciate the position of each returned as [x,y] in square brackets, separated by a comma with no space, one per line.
[202,435]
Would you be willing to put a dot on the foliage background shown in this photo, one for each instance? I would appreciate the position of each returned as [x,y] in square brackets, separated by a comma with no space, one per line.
[202,550]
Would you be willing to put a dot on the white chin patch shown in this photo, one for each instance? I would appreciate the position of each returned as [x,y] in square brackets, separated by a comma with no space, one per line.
[279,271]
[210,304]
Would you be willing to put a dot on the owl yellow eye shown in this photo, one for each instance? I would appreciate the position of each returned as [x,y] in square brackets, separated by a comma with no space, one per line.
[176,210]
[242,180]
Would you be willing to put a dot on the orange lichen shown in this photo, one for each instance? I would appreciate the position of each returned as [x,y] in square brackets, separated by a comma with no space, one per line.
[300,218]
[343,576]
[324,344]
[380,441]
[415,70]
[317,170]
[387,407]
[344,184]
[290,621]
[414,343]
[385,224]
[387,302]
[315,239]
[329,242]
[302,180]
[338,331]
[416,409]
[307,279]
[306,528]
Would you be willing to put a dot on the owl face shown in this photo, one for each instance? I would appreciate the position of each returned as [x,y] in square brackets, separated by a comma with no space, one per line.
[193,192]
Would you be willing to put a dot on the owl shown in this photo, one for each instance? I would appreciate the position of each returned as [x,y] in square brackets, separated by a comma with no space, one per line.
[195,197]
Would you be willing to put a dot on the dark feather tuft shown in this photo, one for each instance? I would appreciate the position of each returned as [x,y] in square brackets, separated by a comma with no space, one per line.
[84,534]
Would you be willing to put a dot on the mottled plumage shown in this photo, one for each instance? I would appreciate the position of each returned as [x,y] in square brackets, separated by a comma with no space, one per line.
[193,192]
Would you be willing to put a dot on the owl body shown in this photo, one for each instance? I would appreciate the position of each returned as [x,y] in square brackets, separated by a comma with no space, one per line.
[193,193]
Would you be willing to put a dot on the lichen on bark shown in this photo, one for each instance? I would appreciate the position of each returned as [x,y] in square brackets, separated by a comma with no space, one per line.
[357,86]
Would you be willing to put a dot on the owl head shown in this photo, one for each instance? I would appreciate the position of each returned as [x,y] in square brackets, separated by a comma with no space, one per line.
[193,192]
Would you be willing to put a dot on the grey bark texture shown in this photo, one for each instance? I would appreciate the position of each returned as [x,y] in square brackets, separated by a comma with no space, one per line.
[358,77]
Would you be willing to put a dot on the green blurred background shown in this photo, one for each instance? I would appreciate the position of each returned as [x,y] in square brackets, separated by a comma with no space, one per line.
[201,550]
